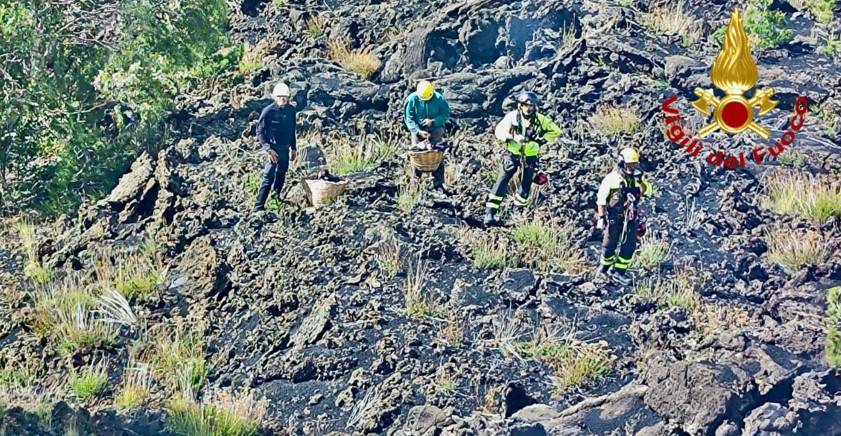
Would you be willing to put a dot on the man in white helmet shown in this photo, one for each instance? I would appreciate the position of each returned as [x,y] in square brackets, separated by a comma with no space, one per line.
[276,133]
[425,114]
[619,195]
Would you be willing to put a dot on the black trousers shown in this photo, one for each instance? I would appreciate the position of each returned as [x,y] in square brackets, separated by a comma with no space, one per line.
[510,164]
[274,176]
[614,239]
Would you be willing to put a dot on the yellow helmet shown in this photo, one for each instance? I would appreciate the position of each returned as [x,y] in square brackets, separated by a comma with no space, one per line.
[630,155]
[425,90]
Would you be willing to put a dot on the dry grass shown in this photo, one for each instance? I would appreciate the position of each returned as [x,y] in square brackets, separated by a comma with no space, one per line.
[613,119]
[418,304]
[507,333]
[793,250]
[388,255]
[547,246]
[251,60]
[452,330]
[79,328]
[670,19]
[361,61]
[808,196]
[488,253]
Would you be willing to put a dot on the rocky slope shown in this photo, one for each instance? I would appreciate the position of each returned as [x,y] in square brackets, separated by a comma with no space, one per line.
[294,304]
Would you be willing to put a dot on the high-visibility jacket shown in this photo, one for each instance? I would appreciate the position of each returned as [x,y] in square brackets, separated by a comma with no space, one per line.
[615,188]
[536,131]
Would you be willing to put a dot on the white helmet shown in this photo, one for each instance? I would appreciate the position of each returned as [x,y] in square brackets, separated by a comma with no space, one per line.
[281,90]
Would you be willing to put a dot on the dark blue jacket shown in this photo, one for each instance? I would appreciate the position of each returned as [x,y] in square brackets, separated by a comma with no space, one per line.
[276,127]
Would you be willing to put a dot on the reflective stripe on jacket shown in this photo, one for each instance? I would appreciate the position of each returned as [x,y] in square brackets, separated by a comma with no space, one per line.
[537,131]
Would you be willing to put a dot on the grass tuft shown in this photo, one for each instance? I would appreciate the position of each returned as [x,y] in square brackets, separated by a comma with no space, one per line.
[181,351]
[816,198]
[547,246]
[79,328]
[677,291]
[613,120]
[347,155]
[223,414]
[792,250]
[419,305]
[574,362]
[489,254]
[316,25]
[137,387]
[651,253]
[408,196]
[360,61]
[32,269]
[388,255]
[670,19]
[90,383]
[251,60]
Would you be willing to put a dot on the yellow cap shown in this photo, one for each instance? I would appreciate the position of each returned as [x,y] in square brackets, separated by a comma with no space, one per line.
[425,90]
[630,155]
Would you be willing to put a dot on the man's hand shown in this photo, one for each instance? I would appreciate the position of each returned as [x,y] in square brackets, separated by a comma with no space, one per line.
[601,222]
[272,156]
[293,154]
[518,138]
[424,134]
[427,122]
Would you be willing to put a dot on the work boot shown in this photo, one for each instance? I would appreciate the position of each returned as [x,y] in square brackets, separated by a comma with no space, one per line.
[489,217]
[622,278]
[258,208]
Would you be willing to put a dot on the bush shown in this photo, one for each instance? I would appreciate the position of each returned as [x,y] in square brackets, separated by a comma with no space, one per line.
[408,196]
[822,10]
[765,28]
[75,119]
[831,48]
[816,198]
[360,61]
[418,304]
[573,362]
[833,347]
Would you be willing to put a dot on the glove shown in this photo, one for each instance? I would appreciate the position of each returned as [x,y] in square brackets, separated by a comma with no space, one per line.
[601,222]
[519,139]
[641,228]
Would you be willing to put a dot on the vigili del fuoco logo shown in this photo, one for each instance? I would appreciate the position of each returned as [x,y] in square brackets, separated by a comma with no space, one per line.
[733,73]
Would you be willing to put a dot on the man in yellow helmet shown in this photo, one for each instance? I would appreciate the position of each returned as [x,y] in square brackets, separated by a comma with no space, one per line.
[619,195]
[523,131]
[425,114]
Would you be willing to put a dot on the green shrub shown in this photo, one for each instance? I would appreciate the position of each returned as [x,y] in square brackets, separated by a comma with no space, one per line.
[765,28]
[831,48]
[80,114]
[833,347]
[833,304]
[822,10]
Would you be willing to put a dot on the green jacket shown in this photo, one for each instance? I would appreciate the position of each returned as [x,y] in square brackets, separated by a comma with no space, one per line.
[418,110]
[536,133]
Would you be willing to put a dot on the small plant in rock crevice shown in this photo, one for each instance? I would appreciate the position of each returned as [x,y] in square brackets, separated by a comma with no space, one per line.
[670,19]
[418,303]
[89,383]
[361,61]
[793,250]
[764,27]
[651,253]
[613,120]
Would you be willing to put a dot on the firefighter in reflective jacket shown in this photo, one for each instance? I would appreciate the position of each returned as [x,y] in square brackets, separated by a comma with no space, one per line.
[619,195]
[524,131]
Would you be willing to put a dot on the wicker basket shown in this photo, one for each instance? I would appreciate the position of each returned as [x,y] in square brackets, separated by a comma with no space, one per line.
[321,192]
[426,161]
